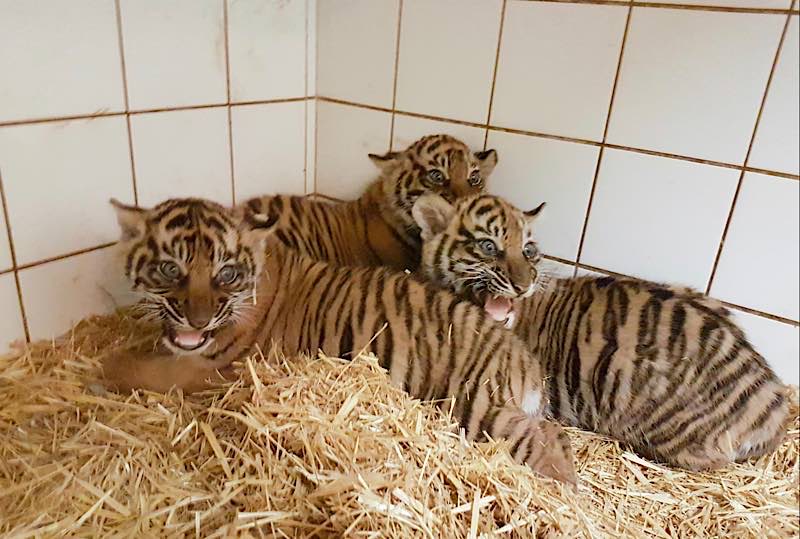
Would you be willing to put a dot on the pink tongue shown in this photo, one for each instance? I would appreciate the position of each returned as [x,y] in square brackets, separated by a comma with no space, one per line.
[188,338]
[498,308]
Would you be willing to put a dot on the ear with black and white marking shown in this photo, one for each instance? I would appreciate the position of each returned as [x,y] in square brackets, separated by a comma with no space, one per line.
[534,213]
[432,213]
[258,217]
[487,160]
[385,161]
[132,220]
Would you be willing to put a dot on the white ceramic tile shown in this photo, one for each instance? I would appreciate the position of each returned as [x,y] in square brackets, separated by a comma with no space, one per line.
[534,170]
[765,4]
[269,149]
[58,178]
[356,50]
[10,318]
[408,129]
[658,218]
[87,284]
[59,59]
[267,49]
[182,153]
[777,144]
[5,250]
[565,93]
[779,343]
[447,54]
[692,81]
[345,135]
[311,47]
[759,265]
[583,272]
[174,52]
[555,269]
[311,144]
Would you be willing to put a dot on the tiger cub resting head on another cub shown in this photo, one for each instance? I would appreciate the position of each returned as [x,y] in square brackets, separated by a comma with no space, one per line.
[378,229]
[221,287]
[662,368]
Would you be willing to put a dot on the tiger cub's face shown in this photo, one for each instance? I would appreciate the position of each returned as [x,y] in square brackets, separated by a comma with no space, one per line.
[482,248]
[434,164]
[196,265]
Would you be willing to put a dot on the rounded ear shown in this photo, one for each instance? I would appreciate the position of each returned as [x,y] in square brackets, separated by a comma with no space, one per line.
[487,161]
[531,214]
[132,220]
[255,216]
[432,213]
[385,161]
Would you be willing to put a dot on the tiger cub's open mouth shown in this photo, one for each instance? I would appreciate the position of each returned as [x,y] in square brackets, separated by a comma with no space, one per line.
[187,340]
[501,309]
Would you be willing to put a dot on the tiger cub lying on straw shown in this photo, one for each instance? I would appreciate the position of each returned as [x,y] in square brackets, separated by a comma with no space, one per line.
[664,369]
[221,288]
[378,229]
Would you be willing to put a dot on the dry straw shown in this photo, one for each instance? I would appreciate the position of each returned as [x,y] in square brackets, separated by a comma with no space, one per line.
[323,448]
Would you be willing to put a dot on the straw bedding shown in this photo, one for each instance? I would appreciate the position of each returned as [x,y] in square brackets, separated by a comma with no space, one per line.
[319,447]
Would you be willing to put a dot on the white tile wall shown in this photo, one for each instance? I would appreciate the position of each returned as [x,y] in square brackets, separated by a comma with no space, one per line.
[5,249]
[58,59]
[174,52]
[311,47]
[764,4]
[779,343]
[777,142]
[565,93]
[267,48]
[658,218]
[759,266]
[43,165]
[182,153]
[408,129]
[343,168]
[269,149]
[357,41]
[555,269]
[311,145]
[58,294]
[533,170]
[11,322]
[447,53]
[692,81]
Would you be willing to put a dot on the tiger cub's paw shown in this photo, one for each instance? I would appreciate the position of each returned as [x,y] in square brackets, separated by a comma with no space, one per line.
[547,451]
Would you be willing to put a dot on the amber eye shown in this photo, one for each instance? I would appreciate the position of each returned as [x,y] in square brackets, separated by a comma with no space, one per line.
[227,275]
[436,176]
[170,270]
[488,247]
[530,250]
[475,179]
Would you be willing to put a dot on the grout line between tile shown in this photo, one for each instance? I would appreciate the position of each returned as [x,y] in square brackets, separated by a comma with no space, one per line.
[126,98]
[396,70]
[65,255]
[669,5]
[605,135]
[305,106]
[226,45]
[15,269]
[494,73]
[740,182]
[316,91]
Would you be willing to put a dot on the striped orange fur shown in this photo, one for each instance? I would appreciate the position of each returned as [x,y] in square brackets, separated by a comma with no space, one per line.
[662,368]
[221,286]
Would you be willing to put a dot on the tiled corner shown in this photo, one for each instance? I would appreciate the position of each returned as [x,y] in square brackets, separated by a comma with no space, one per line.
[59,59]
[658,218]
[779,343]
[758,4]
[5,250]
[692,81]
[174,52]
[567,93]
[533,170]
[11,322]
[356,50]
[182,153]
[91,283]
[266,49]
[269,149]
[583,272]
[777,142]
[311,47]
[343,169]
[58,177]
[408,129]
[759,264]
[447,54]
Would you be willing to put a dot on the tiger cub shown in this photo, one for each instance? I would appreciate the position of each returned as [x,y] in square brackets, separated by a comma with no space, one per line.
[664,369]
[221,286]
[378,229]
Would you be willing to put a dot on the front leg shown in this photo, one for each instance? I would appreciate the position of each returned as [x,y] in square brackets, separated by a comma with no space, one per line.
[126,371]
